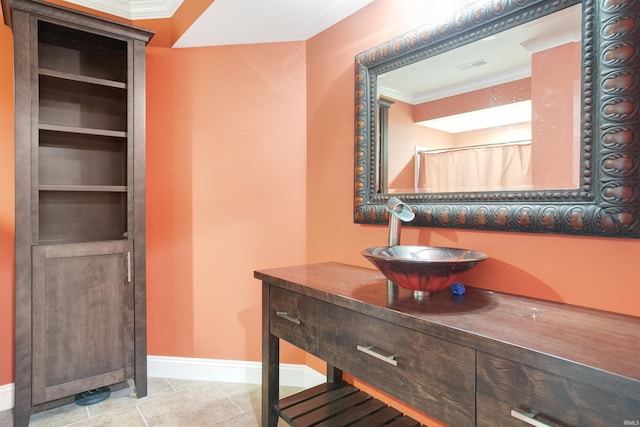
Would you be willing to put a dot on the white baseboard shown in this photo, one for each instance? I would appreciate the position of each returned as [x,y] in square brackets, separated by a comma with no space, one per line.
[229,371]
[6,396]
[188,368]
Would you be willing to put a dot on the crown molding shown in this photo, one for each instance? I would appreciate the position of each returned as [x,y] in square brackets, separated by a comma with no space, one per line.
[133,9]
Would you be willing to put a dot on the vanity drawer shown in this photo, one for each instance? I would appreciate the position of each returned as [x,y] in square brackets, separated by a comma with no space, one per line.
[294,318]
[431,374]
[505,386]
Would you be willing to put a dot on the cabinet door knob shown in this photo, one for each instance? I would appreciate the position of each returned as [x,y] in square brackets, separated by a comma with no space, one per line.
[528,417]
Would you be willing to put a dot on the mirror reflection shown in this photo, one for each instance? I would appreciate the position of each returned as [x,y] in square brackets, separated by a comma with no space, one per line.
[501,113]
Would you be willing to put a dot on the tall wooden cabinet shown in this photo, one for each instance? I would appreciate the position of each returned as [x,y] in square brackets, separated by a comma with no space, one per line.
[80,212]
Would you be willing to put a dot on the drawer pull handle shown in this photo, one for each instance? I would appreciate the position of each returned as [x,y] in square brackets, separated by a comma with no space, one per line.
[286,316]
[528,417]
[391,360]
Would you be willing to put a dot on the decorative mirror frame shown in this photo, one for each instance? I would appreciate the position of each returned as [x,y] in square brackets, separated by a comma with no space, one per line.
[607,201]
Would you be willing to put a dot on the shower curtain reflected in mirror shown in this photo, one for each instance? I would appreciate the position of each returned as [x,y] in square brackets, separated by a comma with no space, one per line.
[493,167]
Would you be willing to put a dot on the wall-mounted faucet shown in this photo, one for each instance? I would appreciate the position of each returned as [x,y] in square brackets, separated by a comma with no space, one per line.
[398,212]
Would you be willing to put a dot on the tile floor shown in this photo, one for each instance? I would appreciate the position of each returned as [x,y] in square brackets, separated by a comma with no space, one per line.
[170,402]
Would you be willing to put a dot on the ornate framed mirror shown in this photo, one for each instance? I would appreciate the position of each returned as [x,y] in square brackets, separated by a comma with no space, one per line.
[593,191]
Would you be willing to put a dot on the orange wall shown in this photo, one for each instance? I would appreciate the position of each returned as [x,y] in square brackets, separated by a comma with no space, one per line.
[405,135]
[556,79]
[494,96]
[590,271]
[7,259]
[226,186]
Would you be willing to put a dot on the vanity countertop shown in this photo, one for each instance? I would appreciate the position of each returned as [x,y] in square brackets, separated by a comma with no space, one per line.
[592,346]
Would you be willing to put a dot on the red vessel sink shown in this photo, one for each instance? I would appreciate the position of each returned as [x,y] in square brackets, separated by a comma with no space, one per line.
[423,268]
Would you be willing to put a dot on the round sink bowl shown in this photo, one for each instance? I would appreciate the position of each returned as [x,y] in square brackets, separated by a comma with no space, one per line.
[423,268]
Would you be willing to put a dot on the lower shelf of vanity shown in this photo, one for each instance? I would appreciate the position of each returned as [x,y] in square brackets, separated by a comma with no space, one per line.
[338,404]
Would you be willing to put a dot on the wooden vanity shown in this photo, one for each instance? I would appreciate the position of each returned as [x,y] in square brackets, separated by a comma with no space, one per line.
[483,359]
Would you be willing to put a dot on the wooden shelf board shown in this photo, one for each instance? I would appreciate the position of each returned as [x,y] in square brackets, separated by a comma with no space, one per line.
[80,130]
[89,188]
[81,78]
[339,403]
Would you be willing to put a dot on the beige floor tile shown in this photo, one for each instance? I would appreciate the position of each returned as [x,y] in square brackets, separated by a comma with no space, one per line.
[179,384]
[246,419]
[58,417]
[129,417]
[156,388]
[246,396]
[249,396]
[286,391]
[174,403]
[6,418]
[203,405]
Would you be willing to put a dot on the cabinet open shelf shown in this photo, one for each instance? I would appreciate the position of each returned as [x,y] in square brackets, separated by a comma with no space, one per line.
[81,162]
[107,188]
[72,51]
[82,130]
[82,216]
[80,104]
[81,78]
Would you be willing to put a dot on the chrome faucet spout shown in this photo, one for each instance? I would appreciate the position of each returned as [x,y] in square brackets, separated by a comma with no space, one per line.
[398,212]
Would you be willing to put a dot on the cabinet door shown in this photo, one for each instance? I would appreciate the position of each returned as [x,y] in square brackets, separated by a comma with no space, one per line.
[82,317]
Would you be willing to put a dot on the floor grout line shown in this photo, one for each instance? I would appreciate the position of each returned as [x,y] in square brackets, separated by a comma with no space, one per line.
[144,420]
[171,385]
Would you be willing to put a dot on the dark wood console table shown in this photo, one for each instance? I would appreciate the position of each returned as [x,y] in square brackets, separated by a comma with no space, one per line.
[484,359]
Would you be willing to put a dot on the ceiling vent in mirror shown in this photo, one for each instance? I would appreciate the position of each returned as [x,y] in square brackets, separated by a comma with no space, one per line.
[471,65]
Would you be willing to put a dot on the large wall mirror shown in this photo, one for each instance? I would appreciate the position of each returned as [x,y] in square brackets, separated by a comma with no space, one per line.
[511,115]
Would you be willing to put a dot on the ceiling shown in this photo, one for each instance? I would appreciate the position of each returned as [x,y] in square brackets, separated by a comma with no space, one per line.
[227,22]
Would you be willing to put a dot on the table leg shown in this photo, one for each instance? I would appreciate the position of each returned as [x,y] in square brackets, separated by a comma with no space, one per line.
[333,374]
[270,366]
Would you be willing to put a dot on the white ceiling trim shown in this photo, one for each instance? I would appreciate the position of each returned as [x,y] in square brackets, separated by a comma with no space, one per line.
[447,91]
[133,9]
